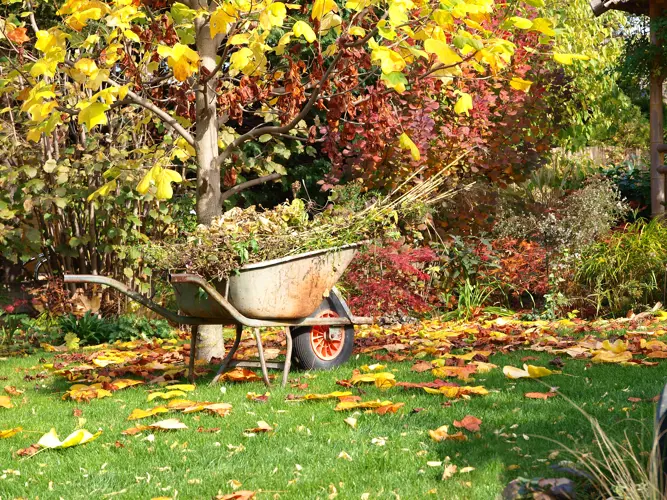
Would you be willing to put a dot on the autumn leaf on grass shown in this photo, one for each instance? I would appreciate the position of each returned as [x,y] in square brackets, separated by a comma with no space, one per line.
[461,372]
[382,380]
[29,451]
[81,436]
[369,405]
[138,413]
[421,366]
[319,397]
[539,395]
[258,398]
[122,383]
[13,391]
[240,375]
[261,427]
[82,392]
[469,356]
[381,410]
[442,434]
[420,385]
[529,371]
[5,402]
[238,495]
[458,392]
[164,425]
[181,387]
[605,356]
[377,367]
[220,409]
[469,423]
[165,395]
[7,433]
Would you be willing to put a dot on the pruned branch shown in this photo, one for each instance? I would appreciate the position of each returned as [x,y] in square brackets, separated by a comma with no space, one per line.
[248,184]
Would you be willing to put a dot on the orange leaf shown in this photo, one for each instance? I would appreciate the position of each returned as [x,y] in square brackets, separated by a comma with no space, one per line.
[240,375]
[238,495]
[442,434]
[539,395]
[19,36]
[13,391]
[5,402]
[469,423]
[392,408]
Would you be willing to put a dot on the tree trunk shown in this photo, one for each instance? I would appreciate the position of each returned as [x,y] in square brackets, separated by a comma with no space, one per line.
[210,342]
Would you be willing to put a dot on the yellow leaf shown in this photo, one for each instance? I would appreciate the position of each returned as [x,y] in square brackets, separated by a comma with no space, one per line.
[131,35]
[537,371]
[354,405]
[617,347]
[458,392]
[529,371]
[181,387]
[7,433]
[464,104]
[165,395]
[5,402]
[318,397]
[221,19]
[544,26]
[382,380]
[406,143]
[181,59]
[81,436]
[93,114]
[301,28]
[139,413]
[357,31]
[442,434]
[568,59]
[277,13]
[322,7]
[520,84]
[240,59]
[612,357]
[445,54]
[521,22]
[390,61]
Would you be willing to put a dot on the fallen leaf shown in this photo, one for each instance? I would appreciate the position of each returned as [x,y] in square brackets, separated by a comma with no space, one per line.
[420,385]
[373,368]
[458,392]
[382,380]
[361,405]
[181,387]
[5,402]
[29,451]
[351,421]
[240,375]
[81,436]
[606,356]
[540,395]
[379,441]
[82,392]
[238,495]
[461,372]
[421,366]
[635,400]
[381,410]
[448,471]
[165,395]
[138,413]
[258,398]
[469,423]
[7,433]
[345,456]
[262,426]
[13,391]
[529,371]
[317,397]
[442,434]
[165,425]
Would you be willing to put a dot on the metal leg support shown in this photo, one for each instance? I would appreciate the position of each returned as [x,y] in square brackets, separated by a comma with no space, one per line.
[194,338]
[288,356]
[262,361]
[230,355]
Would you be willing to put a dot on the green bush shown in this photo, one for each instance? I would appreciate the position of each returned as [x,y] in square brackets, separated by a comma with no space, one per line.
[92,330]
[626,270]
[633,180]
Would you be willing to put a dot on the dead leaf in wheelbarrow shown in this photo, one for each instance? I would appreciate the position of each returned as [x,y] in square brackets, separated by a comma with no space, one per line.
[469,423]
[239,495]
[240,375]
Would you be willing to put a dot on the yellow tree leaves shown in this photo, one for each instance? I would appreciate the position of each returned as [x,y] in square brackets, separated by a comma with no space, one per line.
[162,178]
[303,29]
[181,59]
[446,55]
[406,143]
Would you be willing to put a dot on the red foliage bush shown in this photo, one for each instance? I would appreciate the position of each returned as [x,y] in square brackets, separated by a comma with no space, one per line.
[522,268]
[390,280]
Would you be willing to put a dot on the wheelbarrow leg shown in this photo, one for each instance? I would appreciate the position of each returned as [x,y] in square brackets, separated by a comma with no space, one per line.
[230,355]
[288,356]
[262,361]
[194,337]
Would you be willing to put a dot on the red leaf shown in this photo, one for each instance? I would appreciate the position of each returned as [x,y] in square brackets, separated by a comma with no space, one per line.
[469,423]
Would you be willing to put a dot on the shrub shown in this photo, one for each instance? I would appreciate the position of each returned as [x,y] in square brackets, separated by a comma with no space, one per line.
[391,279]
[627,269]
[633,180]
[92,329]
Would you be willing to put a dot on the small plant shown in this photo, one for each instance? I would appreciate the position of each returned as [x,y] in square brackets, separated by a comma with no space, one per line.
[471,300]
[627,269]
[92,330]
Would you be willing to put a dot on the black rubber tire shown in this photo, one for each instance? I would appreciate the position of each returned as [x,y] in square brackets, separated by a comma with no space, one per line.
[303,355]
[661,430]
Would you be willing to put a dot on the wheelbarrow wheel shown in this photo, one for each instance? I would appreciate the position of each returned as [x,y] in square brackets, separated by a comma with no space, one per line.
[322,347]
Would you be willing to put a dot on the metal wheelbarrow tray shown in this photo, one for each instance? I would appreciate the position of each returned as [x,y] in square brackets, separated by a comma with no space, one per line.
[296,292]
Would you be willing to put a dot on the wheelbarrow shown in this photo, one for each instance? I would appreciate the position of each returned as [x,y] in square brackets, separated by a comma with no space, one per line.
[296,292]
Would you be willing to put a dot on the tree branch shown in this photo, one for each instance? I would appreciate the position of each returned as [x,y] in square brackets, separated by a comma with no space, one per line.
[163,115]
[283,129]
[248,184]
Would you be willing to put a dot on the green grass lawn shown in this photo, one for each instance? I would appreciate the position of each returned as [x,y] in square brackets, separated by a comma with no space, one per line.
[300,459]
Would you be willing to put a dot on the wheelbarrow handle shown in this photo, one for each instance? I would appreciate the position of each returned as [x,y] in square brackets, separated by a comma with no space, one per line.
[145,301]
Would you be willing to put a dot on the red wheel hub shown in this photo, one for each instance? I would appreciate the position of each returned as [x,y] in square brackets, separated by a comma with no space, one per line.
[327,341]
